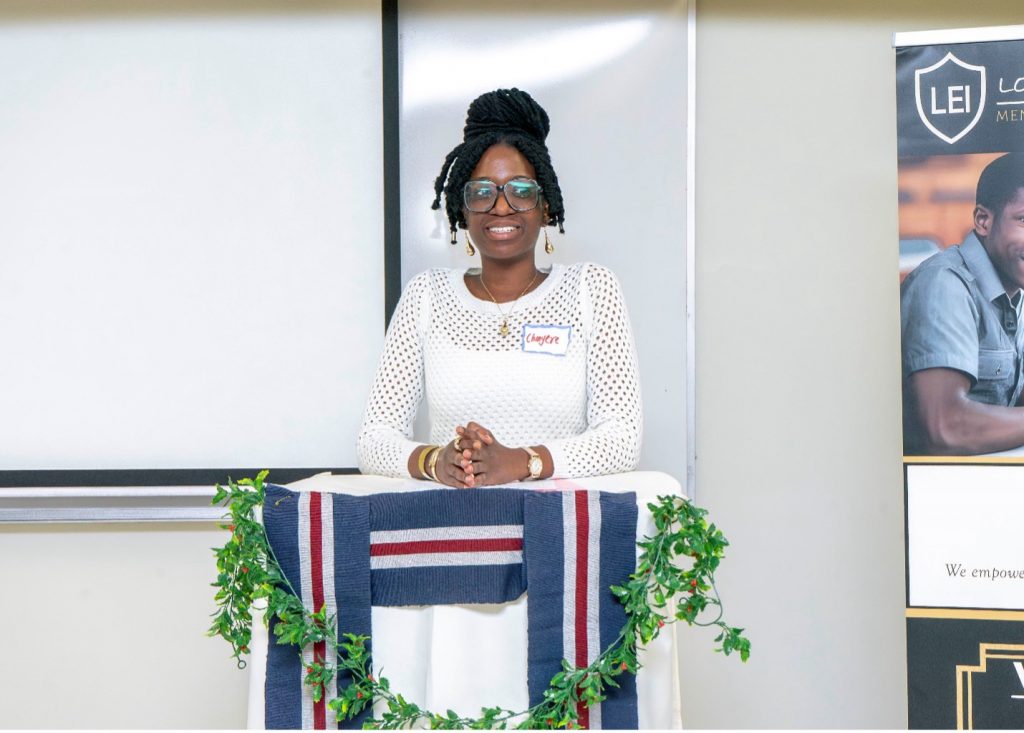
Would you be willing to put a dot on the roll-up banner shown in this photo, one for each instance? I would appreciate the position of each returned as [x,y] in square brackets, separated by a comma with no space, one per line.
[960,119]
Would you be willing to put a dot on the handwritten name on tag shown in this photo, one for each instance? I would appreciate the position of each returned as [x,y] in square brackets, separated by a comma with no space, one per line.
[546,339]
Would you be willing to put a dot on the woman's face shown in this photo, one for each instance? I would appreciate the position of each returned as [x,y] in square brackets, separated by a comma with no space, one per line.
[504,233]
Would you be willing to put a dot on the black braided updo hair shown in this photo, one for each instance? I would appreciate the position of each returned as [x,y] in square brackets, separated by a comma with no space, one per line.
[507,116]
[1000,181]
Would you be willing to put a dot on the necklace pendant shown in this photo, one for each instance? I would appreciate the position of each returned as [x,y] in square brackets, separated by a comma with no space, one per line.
[504,328]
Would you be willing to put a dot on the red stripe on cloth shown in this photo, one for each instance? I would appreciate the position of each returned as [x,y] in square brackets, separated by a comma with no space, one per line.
[582,548]
[424,546]
[316,561]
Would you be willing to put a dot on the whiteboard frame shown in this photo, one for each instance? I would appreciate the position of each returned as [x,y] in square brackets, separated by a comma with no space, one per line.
[691,249]
[88,497]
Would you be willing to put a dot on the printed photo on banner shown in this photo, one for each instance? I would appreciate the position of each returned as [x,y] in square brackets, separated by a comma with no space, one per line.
[960,111]
[961,249]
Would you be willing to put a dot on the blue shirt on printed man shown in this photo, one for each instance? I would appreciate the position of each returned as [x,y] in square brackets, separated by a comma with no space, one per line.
[955,314]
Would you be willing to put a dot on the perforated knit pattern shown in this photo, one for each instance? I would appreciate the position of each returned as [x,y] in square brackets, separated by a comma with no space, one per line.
[584,406]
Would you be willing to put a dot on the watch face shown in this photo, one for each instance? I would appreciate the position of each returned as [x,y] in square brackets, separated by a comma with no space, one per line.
[536,465]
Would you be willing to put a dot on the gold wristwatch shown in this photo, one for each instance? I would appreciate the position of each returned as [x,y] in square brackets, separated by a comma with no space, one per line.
[535,464]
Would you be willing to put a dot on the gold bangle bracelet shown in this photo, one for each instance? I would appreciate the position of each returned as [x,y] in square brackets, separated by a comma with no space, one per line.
[422,463]
[432,465]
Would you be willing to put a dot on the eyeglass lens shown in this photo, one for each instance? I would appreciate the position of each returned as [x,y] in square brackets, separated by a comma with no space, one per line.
[521,195]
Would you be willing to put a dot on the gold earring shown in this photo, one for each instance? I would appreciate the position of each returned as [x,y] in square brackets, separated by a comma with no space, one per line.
[470,249]
[548,247]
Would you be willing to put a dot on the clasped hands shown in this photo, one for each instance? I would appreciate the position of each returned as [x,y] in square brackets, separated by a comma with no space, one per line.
[475,458]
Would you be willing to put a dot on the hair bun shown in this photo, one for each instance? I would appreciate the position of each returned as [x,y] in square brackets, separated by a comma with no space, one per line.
[506,110]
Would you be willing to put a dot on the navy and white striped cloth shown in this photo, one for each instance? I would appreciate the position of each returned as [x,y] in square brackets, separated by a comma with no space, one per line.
[442,547]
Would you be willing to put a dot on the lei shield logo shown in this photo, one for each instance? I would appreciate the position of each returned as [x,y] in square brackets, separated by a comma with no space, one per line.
[950,97]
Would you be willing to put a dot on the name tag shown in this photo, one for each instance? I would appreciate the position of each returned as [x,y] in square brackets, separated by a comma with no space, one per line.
[545,339]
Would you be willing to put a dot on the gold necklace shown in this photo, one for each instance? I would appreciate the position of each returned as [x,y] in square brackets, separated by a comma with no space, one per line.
[503,329]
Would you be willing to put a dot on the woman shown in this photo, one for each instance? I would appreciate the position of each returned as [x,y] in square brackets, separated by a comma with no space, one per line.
[528,374]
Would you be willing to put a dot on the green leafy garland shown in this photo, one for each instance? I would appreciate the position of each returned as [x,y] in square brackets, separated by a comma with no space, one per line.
[247,571]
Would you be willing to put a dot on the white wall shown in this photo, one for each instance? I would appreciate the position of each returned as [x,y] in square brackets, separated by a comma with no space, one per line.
[104,626]
[798,379]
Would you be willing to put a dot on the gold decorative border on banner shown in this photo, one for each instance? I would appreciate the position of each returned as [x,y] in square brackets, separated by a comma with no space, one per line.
[965,678]
[970,614]
[977,460]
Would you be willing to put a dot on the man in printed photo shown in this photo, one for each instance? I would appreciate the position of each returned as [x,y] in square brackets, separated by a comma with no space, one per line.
[962,338]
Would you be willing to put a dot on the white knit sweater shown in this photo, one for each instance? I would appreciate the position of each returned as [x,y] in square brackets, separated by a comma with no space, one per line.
[584,405]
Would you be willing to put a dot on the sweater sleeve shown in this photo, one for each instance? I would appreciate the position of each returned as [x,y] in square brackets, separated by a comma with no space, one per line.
[385,437]
[611,442]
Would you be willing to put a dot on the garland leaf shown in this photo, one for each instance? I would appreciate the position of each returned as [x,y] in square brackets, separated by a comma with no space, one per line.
[249,576]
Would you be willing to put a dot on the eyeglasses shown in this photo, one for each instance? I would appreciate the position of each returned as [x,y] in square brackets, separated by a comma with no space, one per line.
[522,194]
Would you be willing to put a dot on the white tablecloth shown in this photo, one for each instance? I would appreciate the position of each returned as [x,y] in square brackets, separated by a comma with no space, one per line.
[440,657]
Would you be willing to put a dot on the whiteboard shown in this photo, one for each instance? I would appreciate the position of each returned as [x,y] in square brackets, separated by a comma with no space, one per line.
[191,235]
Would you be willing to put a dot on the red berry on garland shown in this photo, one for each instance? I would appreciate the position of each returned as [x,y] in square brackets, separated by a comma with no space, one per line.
[231,527]
[359,696]
[370,677]
[244,649]
[623,666]
[549,721]
[693,583]
[660,623]
[309,670]
[245,569]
